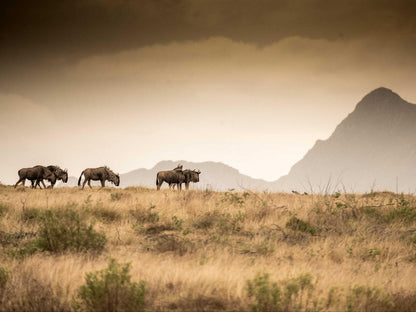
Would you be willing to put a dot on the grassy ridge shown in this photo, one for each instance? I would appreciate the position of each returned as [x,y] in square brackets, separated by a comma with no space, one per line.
[204,250]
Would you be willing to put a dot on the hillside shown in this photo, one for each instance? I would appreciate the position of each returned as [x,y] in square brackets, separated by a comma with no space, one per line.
[374,147]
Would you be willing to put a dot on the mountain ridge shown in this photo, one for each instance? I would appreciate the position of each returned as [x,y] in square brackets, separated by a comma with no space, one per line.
[373,147]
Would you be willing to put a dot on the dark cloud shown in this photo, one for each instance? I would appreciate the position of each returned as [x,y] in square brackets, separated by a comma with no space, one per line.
[31,30]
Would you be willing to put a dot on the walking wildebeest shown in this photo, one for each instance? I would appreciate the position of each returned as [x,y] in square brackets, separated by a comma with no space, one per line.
[101,173]
[36,173]
[59,174]
[174,176]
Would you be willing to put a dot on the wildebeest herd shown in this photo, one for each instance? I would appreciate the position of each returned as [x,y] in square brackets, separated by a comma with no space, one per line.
[37,174]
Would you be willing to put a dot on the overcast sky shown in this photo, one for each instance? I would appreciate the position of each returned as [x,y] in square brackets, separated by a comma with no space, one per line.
[252,84]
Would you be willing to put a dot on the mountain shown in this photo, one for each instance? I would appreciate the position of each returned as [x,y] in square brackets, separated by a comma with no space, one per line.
[374,147]
[214,175]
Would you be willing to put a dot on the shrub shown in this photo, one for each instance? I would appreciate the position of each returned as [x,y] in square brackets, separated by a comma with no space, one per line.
[4,276]
[172,243]
[231,223]
[364,298]
[235,199]
[302,226]
[104,214]
[267,296]
[145,215]
[116,196]
[31,214]
[405,212]
[66,231]
[111,290]
[206,221]
[294,294]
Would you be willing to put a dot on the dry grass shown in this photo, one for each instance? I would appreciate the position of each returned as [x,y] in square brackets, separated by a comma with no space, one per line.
[196,250]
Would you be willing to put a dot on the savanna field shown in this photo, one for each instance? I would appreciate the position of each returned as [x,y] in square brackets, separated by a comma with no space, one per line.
[138,249]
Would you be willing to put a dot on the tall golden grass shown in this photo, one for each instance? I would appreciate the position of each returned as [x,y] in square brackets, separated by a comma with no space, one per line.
[197,250]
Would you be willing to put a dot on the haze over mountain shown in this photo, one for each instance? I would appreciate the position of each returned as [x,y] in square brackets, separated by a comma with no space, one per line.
[374,147]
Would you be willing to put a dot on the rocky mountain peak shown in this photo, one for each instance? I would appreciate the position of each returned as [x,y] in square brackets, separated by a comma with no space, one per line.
[374,146]
[381,100]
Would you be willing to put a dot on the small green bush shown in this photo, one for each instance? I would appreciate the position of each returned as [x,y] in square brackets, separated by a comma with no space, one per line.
[4,276]
[297,224]
[111,290]
[105,214]
[145,215]
[404,213]
[267,295]
[115,196]
[294,294]
[364,298]
[207,220]
[31,214]
[235,199]
[65,231]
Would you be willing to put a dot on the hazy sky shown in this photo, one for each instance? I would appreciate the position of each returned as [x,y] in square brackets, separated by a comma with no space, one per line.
[252,84]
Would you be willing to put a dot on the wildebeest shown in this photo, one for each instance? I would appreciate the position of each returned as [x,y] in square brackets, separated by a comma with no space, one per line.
[178,168]
[191,176]
[36,173]
[101,173]
[59,174]
[175,176]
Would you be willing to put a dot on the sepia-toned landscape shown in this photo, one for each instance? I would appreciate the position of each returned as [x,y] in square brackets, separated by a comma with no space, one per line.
[209,155]
[206,250]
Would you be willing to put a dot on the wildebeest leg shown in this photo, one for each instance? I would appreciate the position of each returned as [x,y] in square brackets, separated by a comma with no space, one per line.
[43,183]
[179,187]
[83,184]
[159,185]
[187,186]
[102,183]
[89,183]
[20,180]
[37,184]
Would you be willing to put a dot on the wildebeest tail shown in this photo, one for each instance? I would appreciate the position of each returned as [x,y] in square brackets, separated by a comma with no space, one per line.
[79,180]
[157,179]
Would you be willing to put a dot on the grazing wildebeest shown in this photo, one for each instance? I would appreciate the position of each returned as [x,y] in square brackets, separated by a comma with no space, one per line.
[191,176]
[102,174]
[174,176]
[36,173]
[59,174]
